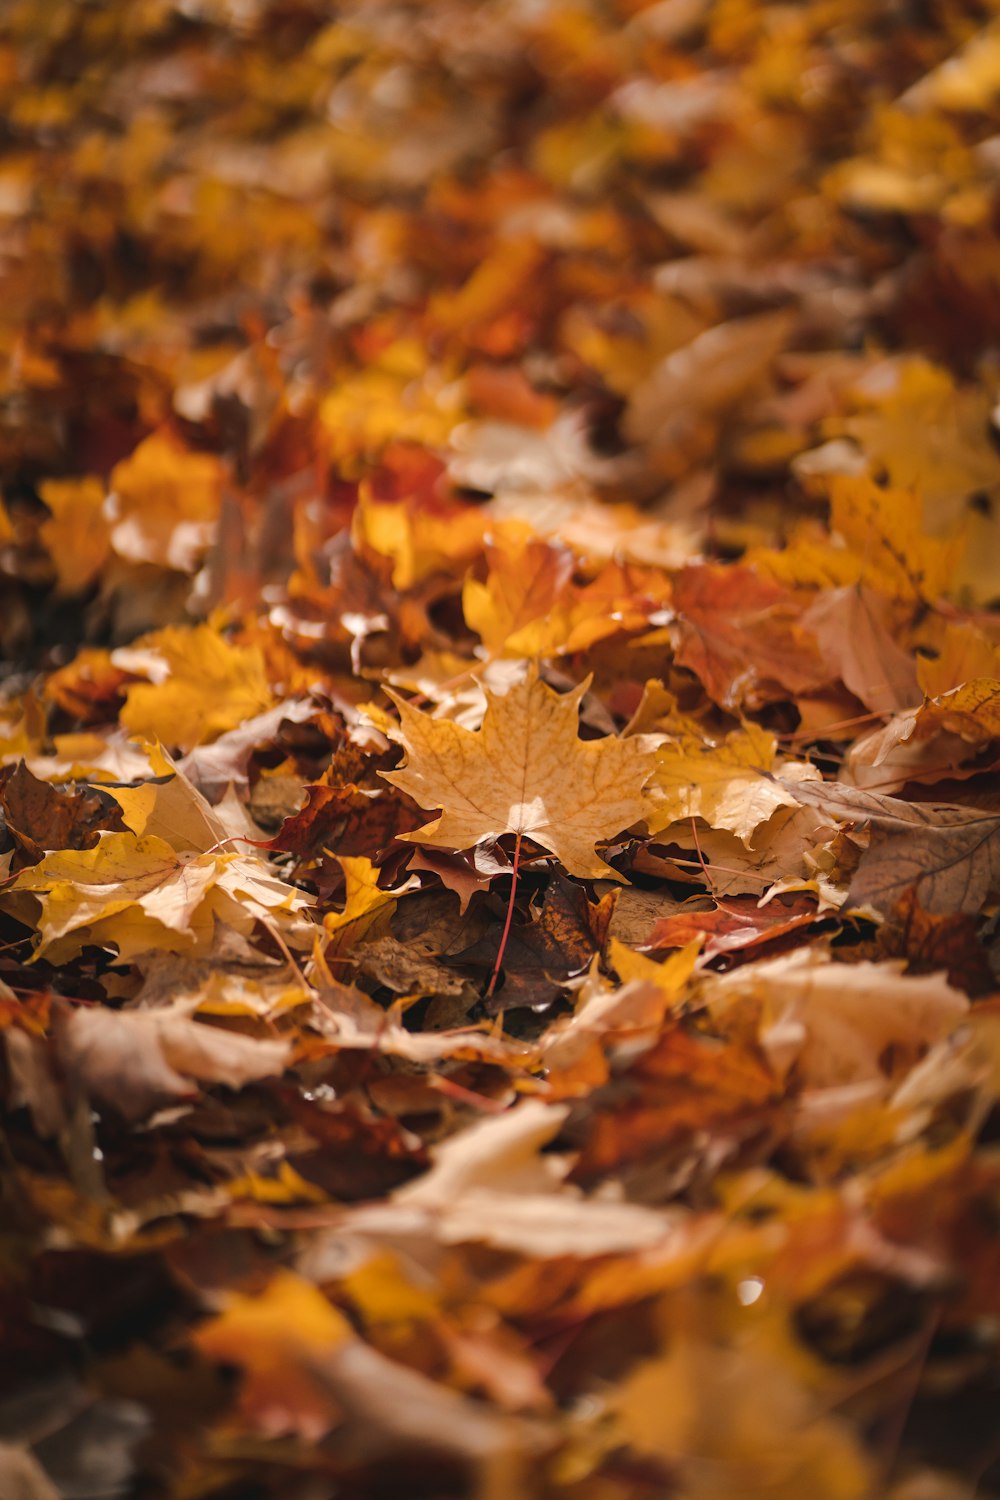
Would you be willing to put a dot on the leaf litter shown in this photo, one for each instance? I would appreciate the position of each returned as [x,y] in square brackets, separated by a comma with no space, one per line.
[499,666]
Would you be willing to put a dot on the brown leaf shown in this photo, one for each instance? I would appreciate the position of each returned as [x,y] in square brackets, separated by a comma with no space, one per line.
[542,955]
[722,611]
[741,923]
[949,855]
[851,626]
[406,972]
[40,818]
[138,1060]
[934,943]
[346,820]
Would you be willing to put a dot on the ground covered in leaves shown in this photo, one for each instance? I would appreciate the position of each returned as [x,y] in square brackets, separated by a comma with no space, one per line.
[499,818]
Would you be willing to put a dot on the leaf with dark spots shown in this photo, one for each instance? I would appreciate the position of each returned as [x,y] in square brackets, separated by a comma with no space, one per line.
[404,970]
[40,818]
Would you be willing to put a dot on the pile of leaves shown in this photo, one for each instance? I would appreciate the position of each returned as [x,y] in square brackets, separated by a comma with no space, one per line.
[499,732]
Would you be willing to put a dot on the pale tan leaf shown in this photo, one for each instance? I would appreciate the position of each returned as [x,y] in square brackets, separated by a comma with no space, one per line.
[526,771]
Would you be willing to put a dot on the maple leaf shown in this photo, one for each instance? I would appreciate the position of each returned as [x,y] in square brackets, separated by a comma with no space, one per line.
[668,978]
[271,1338]
[367,907]
[950,855]
[971,711]
[520,609]
[720,610]
[851,628]
[201,686]
[164,503]
[961,652]
[877,540]
[741,923]
[420,542]
[527,772]
[138,893]
[725,784]
[77,532]
[38,817]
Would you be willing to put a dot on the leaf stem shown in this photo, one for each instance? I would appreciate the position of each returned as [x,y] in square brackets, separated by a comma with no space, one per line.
[510,913]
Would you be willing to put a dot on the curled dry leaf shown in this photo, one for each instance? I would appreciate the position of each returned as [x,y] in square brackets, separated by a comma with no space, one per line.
[136,894]
[836,1033]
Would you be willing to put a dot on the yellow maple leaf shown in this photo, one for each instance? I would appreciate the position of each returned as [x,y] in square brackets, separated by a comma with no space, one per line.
[274,1336]
[963,652]
[526,771]
[725,784]
[420,542]
[367,907]
[878,539]
[971,711]
[133,893]
[164,503]
[932,438]
[207,686]
[520,610]
[398,398]
[668,978]
[77,533]
[140,894]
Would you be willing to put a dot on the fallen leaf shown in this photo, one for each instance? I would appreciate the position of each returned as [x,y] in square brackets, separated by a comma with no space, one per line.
[741,923]
[950,855]
[39,817]
[164,503]
[367,907]
[137,894]
[725,783]
[833,1033]
[720,610]
[271,1337]
[77,534]
[851,626]
[138,1060]
[525,772]
[202,686]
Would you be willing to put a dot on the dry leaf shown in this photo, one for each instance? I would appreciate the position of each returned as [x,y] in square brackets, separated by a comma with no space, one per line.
[949,855]
[201,686]
[139,1060]
[525,772]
